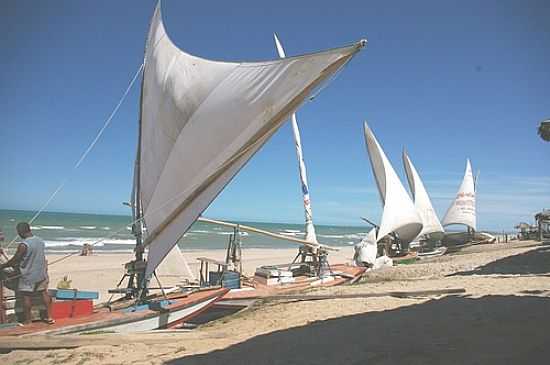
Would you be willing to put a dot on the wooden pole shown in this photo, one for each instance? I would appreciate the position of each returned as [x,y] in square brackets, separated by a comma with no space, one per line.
[267,233]
[2,304]
[398,294]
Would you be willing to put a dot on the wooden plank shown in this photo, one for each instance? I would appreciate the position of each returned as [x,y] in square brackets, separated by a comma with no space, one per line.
[269,234]
[46,342]
[398,294]
[212,261]
[74,294]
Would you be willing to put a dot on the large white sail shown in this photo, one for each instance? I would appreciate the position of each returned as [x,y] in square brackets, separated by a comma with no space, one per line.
[309,227]
[399,215]
[202,120]
[463,208]
[430,223]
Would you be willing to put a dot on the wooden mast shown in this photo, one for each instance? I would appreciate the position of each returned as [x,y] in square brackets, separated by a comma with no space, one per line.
[137,211]
[269,234]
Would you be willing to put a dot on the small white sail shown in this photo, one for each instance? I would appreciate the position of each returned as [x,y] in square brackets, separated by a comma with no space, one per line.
[366,250]
[202,120]
[175,265]
[309,227]
[430,223]
[463,208]
[399,215]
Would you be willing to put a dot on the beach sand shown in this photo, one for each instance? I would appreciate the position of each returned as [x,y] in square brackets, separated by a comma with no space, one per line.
[503,318]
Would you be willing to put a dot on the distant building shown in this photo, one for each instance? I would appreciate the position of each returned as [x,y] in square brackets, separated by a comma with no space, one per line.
[527,231]
[543,224]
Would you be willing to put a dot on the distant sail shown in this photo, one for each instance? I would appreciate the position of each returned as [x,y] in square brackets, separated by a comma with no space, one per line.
[399,215]
[430,221]
[202,120]
[463,208]
[309,227]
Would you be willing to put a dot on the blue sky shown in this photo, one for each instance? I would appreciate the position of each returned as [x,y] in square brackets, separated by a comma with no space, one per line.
[447,80]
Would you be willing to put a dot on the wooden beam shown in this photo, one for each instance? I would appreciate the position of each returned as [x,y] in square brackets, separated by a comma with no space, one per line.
[269,234]
[398,294]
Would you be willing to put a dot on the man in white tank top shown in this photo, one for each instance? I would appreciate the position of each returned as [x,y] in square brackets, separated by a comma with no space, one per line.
[30,261]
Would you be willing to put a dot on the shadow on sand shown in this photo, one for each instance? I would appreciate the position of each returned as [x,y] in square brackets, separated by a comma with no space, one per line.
[534,262]
[453,330]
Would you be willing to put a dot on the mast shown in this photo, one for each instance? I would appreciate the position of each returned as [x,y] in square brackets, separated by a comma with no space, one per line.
[137,227]
[137,211]
[309,227]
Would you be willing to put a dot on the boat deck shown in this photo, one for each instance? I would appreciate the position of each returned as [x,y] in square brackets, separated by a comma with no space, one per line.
[258,290]
[103,319]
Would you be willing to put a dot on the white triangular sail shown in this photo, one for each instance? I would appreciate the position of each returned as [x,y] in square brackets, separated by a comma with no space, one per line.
[202,120]
[430,222]
[309,227]
[399,215]
[175,265]
[463,208]
[366,250]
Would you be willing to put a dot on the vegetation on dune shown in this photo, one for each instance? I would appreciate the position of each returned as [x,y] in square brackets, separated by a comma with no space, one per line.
[544,130]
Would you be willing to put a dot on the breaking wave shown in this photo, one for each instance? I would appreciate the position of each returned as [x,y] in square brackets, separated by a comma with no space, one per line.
[38,228]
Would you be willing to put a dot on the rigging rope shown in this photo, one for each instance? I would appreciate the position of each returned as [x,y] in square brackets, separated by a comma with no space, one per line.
[86,152]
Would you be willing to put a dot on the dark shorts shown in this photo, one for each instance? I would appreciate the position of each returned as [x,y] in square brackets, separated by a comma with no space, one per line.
[27,288]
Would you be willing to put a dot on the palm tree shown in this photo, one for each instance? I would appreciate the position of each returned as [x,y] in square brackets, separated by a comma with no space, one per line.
[544,130]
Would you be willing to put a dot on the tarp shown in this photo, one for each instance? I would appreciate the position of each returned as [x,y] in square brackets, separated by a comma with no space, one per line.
[202,120]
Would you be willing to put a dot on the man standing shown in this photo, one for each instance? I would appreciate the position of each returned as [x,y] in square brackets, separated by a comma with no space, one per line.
[30,261]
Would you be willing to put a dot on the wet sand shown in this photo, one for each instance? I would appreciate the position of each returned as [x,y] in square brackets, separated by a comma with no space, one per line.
[502,318]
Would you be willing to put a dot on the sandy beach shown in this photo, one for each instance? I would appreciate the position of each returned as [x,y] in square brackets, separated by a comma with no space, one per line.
[502,317]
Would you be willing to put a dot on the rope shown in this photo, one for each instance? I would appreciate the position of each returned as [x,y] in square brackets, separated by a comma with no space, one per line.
[86,152]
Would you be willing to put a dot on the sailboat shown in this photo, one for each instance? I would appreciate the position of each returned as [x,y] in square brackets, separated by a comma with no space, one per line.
[463,207]
[432,230]
[400,223]
[310,267]
[463,212]
[200,122]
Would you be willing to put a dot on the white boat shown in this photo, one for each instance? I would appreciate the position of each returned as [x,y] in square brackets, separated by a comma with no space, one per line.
[400,219]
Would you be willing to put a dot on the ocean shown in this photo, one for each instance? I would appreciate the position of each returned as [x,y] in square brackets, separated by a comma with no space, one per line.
[67,232]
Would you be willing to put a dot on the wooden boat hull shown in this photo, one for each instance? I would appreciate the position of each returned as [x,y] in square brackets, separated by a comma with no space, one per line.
[456,248]
[124,320]
[408,256]
[440,251]
[255,290]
